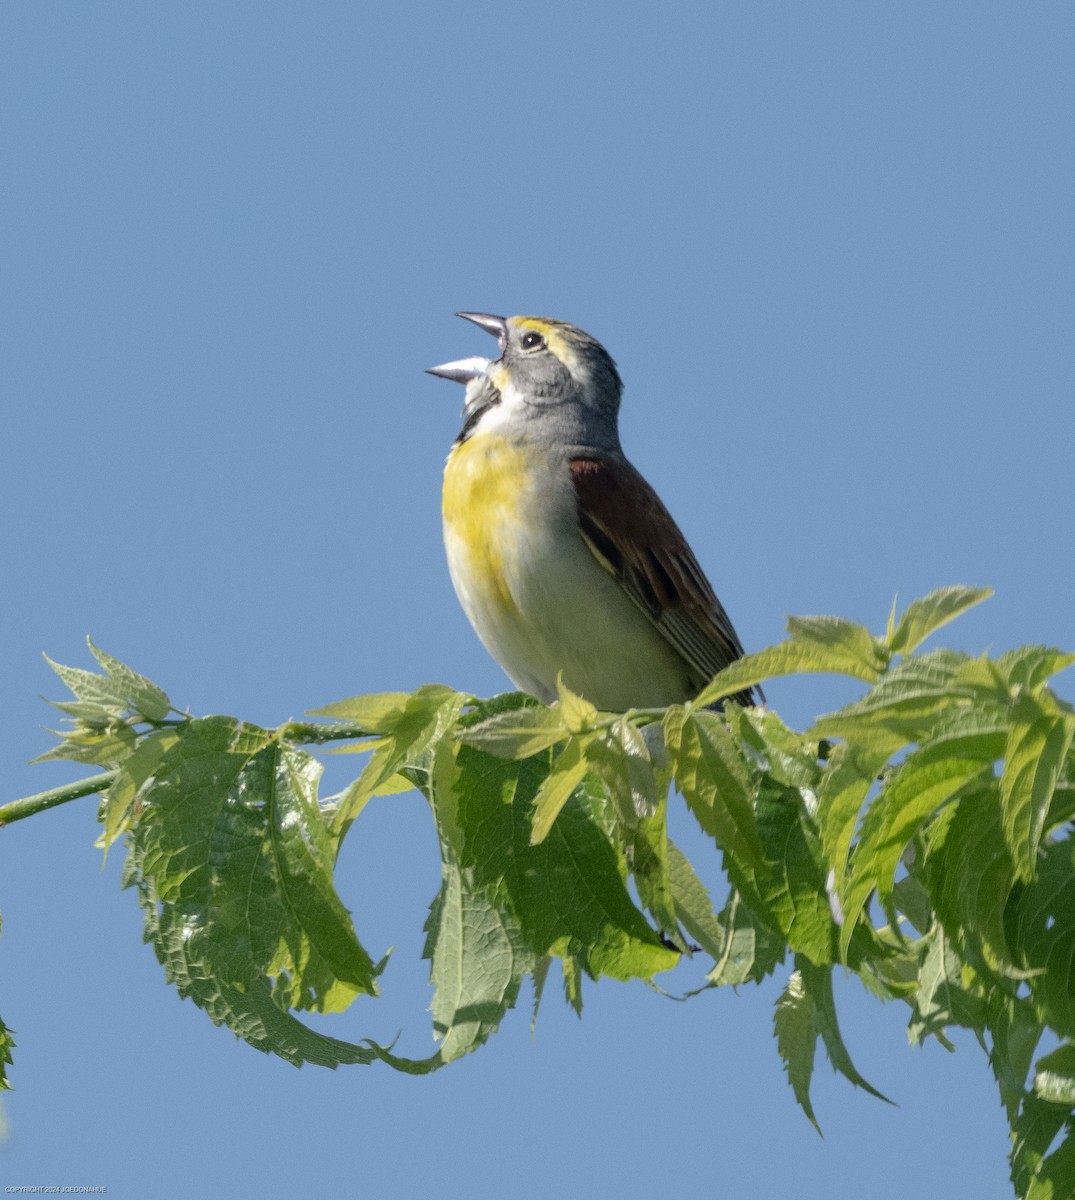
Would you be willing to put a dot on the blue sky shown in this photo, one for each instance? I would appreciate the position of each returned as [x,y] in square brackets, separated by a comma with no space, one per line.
[831,248]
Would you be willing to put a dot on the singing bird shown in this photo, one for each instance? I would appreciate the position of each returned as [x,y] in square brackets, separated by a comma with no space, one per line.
[563,557]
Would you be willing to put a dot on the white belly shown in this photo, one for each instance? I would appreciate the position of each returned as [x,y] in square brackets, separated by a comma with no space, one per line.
[537,597]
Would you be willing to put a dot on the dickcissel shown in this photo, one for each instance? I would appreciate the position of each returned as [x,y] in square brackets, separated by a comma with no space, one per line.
[564,558]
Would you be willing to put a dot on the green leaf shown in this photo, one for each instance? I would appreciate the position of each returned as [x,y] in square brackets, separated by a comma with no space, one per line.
[379,712]
[901,708]
[577,714]
[1030,667]
[477,962]
[104,747]
[793,884]
[907,799]
[648,857]
[692,904]
[7,1044]
[784,754]
[567,772]
[818,983]
[233,867]
[752,949]
[1056,1178]
[795,1027]
[567,893]
[851,648]
[710,774]
[320,963]
[1032,1134]
[1054,1076]
[85,714]
[971,876]
[923,617]
[98,690]
[1016,1032]
[788,658]
[1042,932]
[1038,742]
[517,733]
[621,759]
[942,999]
[141,694]
[407,733]
[118,807]
[848,778]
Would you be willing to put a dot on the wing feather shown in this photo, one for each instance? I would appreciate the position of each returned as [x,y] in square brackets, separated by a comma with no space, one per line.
[633,535]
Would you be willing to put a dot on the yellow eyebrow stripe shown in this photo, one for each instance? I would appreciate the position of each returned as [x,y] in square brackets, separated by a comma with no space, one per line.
[550,331]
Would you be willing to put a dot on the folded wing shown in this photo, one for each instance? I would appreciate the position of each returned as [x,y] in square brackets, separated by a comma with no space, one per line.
[634,537]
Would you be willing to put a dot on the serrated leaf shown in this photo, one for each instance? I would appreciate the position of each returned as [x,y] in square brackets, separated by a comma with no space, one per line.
[908,798]
[1054,1076]
[1038,742]
[577,714]
[1031,666]
[477,964]
[713,780]
[795,1027]
[793,885]
[568,770]
[784,754]
[849,775]
[98,747]
[980,733]
[752,950]
[942,999]
[408,733]
[378,712]
[1032,1134]
[818,983]
[902,706]
[851,648]
[568,893]
[7,1044]
[621,759]
[926,615]
[85,713]
[1016,1032]
[1042,931]
[648,857]
[1056,1176]
[693,907]
[320,963]
[971,876]
[91,688]
[233,865]
[517,733]
[142,695]
[787,658]
[118,804]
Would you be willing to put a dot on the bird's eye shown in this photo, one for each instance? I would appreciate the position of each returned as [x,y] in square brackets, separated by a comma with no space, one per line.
[533,340]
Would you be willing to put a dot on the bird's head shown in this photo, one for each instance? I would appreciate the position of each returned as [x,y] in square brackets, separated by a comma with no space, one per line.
[550,377]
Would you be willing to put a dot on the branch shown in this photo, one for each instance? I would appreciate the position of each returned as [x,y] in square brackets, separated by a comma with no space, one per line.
[28,805]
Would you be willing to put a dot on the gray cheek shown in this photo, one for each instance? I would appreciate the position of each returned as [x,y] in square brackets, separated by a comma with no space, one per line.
[544,378]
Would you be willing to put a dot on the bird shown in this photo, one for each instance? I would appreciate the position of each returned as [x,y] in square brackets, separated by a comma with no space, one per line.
[564,559]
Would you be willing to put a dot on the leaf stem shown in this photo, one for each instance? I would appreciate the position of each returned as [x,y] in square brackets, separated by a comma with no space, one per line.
[310,732]
[28,805]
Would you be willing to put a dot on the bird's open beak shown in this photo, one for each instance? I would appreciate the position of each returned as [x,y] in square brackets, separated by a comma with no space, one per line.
[497,326]
[463,370]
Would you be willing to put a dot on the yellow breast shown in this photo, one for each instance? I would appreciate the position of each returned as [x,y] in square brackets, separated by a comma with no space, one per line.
[488,488]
